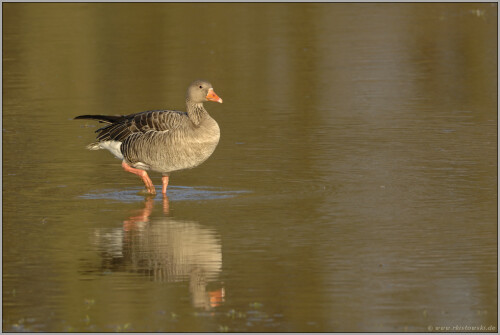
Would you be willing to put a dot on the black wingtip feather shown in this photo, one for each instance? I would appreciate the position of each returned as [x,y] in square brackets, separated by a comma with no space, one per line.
[101,118]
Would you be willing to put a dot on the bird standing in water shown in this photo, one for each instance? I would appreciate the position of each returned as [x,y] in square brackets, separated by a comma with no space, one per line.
[161,140]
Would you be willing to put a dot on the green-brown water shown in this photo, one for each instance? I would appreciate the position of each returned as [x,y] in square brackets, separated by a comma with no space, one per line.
[354,187]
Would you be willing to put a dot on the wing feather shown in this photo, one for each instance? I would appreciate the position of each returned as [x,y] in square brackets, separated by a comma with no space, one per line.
[159,120]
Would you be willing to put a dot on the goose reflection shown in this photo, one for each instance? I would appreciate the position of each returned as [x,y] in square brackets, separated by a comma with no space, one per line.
[166,250]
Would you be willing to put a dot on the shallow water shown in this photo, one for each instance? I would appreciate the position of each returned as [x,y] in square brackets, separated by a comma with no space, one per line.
[354,187]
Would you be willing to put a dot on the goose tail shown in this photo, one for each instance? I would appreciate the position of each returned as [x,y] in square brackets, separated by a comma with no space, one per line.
[94,146]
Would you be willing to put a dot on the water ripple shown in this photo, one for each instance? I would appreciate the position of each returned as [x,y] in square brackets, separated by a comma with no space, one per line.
[175,193]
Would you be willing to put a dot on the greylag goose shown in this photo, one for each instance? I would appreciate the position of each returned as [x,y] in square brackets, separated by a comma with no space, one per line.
[161,140]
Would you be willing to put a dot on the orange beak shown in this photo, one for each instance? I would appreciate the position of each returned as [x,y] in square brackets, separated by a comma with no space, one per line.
[211,96]
[217,297]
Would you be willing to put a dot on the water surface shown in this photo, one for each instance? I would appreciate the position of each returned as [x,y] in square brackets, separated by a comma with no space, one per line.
[354,187]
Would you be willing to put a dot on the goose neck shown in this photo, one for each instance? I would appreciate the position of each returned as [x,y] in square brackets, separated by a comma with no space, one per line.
[196,111]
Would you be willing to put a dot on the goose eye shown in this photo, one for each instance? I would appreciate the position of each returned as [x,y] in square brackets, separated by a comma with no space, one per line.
[201,86]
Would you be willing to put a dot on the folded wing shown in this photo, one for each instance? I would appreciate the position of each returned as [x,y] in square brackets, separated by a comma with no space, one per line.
[124,126]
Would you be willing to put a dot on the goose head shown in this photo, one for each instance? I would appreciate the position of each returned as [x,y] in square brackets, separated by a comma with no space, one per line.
[200,91]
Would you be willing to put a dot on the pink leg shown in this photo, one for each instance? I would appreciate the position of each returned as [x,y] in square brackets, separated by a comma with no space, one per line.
[144,176]
[164,181]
